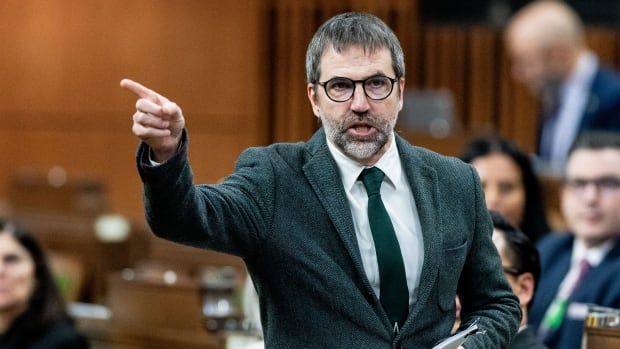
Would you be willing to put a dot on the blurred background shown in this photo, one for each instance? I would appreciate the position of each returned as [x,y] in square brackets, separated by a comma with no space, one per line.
[236,67]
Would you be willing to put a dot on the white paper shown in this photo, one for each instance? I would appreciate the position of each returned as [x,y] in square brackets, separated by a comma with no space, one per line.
[457,339]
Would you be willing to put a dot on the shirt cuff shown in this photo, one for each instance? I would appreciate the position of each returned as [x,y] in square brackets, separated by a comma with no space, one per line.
[155,163]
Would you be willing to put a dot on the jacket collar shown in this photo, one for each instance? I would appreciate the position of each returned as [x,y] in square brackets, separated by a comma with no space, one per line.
[322,173]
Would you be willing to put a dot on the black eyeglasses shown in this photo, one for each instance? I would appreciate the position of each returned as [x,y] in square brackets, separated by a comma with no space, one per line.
[605,185]
[376,87]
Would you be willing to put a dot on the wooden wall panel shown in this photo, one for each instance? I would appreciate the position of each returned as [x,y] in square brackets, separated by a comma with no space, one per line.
[481,91]
[62,61]
[445,62]
[604,42]
[518,109]
[295,24]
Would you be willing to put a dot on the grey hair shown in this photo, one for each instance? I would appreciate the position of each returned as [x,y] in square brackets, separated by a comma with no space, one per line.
[348,29]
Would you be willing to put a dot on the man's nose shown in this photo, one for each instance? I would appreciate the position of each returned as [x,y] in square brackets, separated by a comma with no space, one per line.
[591,192]
[359,100]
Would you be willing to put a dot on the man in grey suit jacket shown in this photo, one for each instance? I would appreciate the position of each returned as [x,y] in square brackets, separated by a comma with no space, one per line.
[299,215]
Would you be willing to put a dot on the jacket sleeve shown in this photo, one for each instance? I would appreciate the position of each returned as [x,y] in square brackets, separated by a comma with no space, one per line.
[227,217]
[486,296]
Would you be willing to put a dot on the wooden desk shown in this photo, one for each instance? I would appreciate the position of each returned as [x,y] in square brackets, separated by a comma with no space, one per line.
[601,338]
[106,334]
[155,304]
[149,313]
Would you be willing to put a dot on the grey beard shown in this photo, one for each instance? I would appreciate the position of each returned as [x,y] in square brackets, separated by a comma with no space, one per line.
[360,149]
[353,148]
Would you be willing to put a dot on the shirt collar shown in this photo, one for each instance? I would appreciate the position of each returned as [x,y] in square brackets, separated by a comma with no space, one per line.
[593,255]
[582,75]
[350,169]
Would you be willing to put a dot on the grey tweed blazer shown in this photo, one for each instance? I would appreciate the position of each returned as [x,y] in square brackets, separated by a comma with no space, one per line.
[285,212]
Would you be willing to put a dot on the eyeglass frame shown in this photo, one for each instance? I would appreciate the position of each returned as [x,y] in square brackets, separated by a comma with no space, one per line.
[603,184]
[355,82]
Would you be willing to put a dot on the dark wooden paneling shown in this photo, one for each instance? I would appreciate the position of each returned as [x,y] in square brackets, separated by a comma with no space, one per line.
[481,91]
[62,61]
[601,337]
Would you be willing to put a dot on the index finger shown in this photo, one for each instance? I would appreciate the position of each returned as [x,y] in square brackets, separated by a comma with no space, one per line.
[142,91]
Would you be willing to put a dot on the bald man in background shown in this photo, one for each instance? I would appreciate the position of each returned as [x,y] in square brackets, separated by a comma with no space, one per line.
[546,43]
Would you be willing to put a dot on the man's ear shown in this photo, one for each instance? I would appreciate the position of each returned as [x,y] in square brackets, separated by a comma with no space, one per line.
[312,97]
[525,291]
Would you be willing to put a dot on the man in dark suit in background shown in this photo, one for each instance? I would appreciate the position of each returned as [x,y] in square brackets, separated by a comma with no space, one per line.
[582,267]
[355,239]
[546,43]
[521,264]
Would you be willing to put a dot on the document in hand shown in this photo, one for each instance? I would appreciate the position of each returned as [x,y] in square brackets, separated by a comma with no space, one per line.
[458,338]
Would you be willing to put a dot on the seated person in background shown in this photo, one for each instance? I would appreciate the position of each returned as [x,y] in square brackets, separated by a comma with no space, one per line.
[32,313]
[521,265]
[582,267]
[510,185]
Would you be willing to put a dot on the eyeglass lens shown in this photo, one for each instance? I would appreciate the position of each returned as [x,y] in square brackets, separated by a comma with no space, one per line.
[606,184]
[342,89]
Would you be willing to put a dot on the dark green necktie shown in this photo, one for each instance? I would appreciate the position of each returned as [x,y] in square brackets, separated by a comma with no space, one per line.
[394,293]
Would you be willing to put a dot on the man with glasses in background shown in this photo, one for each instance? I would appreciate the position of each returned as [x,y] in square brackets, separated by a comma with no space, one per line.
[582,268]
[355,239]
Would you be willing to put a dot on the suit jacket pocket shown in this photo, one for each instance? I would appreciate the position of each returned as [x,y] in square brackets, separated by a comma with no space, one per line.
[452,264]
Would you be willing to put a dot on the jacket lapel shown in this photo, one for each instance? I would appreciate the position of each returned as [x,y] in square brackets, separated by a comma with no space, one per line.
[424,186]
[592,107]
[549,286]
[593,104]
[322,174]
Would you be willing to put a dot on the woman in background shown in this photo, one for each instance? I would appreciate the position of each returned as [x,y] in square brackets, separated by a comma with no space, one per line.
[32,313]
[510,184]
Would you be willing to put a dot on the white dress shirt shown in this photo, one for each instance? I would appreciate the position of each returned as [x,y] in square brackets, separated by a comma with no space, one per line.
[574,96]
[399,202]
